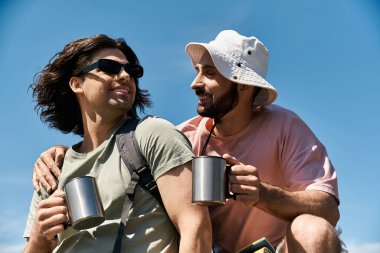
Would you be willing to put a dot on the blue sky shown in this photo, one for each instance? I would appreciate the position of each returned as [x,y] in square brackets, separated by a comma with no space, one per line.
[325,61]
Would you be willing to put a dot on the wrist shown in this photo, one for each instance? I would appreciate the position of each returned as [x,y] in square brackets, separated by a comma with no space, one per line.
[267,197]
[263,193]
[40,244]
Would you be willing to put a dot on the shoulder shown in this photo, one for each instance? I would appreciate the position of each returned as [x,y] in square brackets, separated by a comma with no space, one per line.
[163,146]
[191,124]
[290,126]
[279,116]
[279,112]
[153,124]
[154,120]
[155,128]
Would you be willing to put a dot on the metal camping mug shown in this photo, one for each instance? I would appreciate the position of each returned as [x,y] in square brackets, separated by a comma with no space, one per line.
[84,205]
[210,180]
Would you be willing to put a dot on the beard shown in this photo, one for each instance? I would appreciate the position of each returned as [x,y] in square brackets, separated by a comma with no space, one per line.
[221,106]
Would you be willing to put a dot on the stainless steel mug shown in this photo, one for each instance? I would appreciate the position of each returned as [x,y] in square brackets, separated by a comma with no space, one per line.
[210,180]
[84,205]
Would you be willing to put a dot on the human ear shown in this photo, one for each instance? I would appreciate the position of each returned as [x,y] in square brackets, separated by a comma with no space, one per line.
[245,89]
[76,84]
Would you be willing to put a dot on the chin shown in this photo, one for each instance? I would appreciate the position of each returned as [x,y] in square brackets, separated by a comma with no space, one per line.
[200,111]
[123,107]
[203,113]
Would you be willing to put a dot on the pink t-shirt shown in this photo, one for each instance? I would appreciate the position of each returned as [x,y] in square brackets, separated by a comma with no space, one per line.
[286,153]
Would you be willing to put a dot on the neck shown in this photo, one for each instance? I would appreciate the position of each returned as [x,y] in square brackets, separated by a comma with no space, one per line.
[234,121]
[96,130]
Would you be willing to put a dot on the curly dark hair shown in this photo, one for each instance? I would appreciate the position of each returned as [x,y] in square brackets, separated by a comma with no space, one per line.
[56,102]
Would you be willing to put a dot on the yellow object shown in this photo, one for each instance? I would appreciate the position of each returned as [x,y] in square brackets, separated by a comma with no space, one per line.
[263,250]
[260,246]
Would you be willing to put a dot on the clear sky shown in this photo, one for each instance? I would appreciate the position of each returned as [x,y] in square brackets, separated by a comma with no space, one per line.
[325,64]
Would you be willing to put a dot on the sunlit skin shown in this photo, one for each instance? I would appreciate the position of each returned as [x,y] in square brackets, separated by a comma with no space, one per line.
[104,98]
[217,95]
[101,91]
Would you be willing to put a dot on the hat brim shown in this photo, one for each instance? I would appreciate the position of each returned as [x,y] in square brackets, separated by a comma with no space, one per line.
[227,65]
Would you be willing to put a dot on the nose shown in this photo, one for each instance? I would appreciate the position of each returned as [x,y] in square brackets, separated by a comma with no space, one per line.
[123,75]
[197,82]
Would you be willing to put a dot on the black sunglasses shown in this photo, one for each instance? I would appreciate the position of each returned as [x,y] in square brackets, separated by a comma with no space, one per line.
[113,67]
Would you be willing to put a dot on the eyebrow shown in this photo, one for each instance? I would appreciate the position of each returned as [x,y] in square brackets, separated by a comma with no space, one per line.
[205,66]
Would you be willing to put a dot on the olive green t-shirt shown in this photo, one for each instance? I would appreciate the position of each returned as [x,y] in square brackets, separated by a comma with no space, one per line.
[148,228]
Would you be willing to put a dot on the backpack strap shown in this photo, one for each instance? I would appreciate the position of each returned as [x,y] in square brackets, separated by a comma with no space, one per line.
[134,160]
[139,169]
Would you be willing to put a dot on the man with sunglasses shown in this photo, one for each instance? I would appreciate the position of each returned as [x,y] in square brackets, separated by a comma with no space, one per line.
[284,184]
[90,88]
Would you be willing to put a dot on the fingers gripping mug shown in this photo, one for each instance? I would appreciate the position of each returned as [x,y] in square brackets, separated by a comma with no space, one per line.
[84,205]
[210,180]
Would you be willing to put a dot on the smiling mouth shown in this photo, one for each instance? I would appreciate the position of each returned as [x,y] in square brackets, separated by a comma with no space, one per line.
[121,90]
[204,100]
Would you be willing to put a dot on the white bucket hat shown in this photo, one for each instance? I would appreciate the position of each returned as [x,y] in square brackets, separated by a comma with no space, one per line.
[241,59]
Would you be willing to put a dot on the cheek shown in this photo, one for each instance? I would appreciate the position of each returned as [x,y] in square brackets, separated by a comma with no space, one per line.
[95,89]
[222,86]
[216,90]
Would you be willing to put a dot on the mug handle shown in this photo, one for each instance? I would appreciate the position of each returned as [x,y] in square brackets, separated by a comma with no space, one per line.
[228,193]
[68,222]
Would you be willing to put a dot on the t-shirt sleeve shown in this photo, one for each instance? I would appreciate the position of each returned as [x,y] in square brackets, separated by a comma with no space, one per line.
[305,163]
[163,145]
[32,212]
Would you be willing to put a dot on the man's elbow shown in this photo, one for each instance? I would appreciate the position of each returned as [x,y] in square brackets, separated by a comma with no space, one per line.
[197,224]
[333,214]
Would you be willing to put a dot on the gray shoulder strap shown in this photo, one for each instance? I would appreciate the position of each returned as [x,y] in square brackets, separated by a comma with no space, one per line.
[128,147]
[139,169]
[133,158]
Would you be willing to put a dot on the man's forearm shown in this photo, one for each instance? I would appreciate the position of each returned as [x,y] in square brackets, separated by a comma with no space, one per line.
[288,205]
[196,238]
